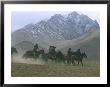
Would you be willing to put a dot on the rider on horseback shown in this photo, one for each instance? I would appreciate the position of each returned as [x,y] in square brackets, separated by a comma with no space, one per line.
[78,52]
[69,55]
[69,52]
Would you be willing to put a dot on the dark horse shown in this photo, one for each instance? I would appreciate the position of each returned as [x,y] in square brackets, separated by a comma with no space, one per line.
[59,57]
[33,54]
[79,57]
[52,53]
[13,50]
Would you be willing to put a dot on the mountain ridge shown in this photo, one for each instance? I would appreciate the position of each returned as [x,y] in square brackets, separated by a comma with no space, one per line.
[57,28]
[73,31]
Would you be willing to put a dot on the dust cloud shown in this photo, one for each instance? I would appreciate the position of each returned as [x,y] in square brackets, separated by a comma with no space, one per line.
[19,59]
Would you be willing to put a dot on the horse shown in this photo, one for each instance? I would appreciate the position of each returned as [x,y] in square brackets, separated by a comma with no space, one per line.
[59,57]
[32,54]
[79,57]
[68,57]
[28,54]
[44,56]
[13,50]
[52,53]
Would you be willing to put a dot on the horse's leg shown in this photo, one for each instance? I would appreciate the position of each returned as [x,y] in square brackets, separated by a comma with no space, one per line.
[67,61]
[81,62]
[78,62]
[70,60]
[74,62]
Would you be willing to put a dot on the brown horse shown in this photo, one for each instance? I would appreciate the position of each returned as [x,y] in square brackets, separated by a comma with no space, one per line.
[79,57]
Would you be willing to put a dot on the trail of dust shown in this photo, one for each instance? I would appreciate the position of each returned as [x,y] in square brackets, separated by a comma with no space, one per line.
[19,59]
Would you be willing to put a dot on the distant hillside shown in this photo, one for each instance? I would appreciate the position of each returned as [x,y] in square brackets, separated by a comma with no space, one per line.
[90,45]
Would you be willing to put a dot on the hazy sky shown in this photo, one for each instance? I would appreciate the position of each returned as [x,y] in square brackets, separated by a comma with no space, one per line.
[20,19]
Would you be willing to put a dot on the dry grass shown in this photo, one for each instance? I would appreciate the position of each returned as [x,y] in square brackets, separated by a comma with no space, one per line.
[90,69]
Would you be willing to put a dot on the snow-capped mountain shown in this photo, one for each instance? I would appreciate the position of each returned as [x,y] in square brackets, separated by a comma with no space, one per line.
[57,28]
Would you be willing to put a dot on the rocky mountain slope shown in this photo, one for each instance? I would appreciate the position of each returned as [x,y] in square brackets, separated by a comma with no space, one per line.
[74,30]
[57,28]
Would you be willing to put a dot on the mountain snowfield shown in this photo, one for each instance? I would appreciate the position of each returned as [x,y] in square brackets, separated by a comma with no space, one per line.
[74,30]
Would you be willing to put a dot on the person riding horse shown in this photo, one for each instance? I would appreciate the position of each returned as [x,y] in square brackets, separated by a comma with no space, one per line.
[78,56]
[69,55]
[78,52]
[52,52]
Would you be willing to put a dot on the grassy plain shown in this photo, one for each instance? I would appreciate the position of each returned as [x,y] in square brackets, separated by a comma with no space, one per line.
[91,68]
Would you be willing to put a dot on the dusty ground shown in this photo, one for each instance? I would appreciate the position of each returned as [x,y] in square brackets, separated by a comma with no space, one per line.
[91,68]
